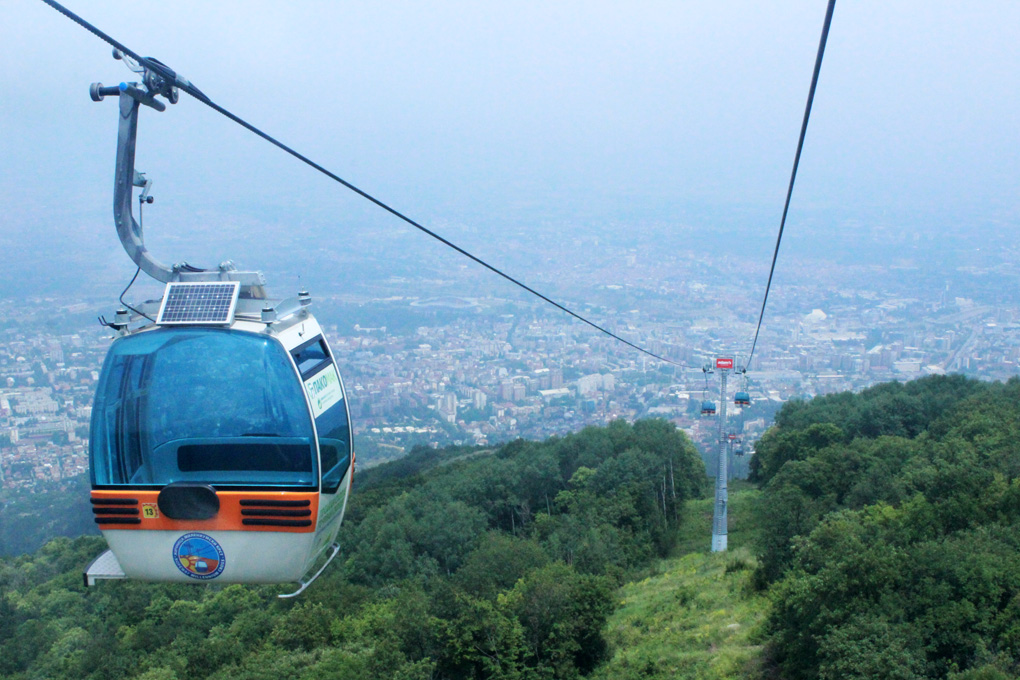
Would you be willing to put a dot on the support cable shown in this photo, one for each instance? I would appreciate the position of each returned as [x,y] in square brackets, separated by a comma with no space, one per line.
[793,175]
[185,85]
[124,292]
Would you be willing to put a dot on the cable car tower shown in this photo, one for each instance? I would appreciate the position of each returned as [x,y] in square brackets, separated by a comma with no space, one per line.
[220,446]
[719,518]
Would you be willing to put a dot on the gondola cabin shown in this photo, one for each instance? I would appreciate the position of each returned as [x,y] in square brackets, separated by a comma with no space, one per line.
[220,446]
[742,399]
[708,408]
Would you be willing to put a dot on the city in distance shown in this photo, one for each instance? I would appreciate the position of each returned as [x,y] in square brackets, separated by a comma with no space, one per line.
[442,352]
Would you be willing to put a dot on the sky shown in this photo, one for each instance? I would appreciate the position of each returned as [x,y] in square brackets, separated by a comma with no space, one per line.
[471,116]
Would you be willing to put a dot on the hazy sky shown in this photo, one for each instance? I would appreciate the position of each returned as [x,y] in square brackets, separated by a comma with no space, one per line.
[455,111]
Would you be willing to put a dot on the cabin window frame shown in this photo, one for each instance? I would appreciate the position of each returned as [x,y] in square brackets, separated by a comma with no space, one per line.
[328,483]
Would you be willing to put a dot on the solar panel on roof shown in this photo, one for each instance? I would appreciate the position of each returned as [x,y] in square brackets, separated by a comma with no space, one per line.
[198,303]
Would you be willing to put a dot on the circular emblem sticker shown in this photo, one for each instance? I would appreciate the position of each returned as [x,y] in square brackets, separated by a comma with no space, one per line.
[199,556]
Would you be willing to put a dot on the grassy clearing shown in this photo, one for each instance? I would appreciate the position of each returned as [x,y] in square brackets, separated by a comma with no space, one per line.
[696,617]
[696,531]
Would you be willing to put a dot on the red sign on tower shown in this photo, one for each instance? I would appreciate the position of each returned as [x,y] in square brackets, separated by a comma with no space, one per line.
[724,362]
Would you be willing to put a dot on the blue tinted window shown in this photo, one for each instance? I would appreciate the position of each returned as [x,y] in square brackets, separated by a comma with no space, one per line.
[311,356]
[200,404]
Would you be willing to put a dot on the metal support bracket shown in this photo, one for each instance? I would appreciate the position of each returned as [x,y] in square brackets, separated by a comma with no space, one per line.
[307,582]
[126,178]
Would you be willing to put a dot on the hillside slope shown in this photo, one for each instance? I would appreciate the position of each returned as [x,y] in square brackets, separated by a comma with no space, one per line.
[697,615]
[885,542]
[882,542]
[456,564]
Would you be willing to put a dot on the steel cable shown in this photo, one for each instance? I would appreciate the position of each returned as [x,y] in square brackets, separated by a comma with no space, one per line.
[793,174]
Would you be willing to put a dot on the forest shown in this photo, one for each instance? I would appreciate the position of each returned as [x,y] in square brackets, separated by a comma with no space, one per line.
[459,563]
[888,533]
[883,540]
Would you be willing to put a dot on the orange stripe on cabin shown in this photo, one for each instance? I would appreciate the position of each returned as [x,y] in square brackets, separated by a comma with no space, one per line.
[281,511]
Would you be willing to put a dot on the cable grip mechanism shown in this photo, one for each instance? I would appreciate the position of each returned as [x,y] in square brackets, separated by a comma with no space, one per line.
[159,83]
